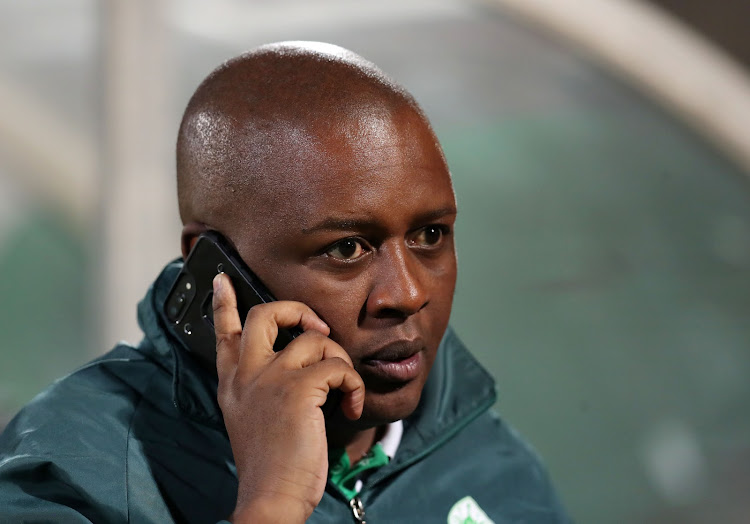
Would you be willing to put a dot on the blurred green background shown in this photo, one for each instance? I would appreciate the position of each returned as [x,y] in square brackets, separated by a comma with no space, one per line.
[604,245]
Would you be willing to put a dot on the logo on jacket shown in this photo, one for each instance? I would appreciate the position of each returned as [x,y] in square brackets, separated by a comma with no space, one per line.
[467,511]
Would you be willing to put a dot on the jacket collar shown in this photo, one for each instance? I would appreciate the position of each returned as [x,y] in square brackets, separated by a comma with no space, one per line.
[193,388]
[457,390]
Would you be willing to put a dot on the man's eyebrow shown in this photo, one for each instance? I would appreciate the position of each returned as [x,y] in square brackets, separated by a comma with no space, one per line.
[436,214]
[355,224]
[340,224]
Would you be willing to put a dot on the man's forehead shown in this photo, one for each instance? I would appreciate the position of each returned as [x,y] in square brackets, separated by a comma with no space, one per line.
[313,153]
[370,194]
[368,137]
[353,176]
[363,155]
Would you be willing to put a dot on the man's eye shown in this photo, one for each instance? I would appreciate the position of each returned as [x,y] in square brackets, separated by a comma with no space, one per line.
[429,236]
[347,249]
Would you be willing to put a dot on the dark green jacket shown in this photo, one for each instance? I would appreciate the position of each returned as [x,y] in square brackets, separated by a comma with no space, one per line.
[137,436]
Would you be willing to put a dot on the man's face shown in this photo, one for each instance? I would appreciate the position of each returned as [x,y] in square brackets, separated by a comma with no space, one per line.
[360,228]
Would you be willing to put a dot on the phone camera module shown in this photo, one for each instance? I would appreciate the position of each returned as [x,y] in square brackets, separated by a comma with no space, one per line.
[179,299]
[175,306]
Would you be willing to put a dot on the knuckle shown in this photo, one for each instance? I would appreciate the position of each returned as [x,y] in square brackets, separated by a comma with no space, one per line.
[257,312]
[313,342]
[312,335]
[333,365]
[253,313]
[337,352]
[224,343]
[223,394]
[220,345]
[219,307]
[225,339]
[338,362]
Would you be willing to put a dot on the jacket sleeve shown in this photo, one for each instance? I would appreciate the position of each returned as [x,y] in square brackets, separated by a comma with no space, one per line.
[35,489]
[62,461]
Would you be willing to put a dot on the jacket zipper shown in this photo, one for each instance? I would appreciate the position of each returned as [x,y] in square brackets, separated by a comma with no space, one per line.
[358,510]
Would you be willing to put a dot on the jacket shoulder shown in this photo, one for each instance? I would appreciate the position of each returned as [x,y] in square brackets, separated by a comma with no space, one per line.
[84,410]
[511,471]
[485,469]
[67,450]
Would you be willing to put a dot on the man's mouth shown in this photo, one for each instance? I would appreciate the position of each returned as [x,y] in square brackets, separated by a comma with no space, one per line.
[399,361]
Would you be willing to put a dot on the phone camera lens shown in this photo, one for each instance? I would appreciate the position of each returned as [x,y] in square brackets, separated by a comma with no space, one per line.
[175,306]
[220,268]
[187,329]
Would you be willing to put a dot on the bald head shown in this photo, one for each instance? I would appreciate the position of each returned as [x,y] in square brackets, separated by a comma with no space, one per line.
[328,180]
[263,118]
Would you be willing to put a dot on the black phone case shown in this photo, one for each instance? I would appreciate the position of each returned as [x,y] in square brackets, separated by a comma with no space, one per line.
[188,308]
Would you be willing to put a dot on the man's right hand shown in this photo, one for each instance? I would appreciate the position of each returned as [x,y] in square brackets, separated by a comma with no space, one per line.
[272,404]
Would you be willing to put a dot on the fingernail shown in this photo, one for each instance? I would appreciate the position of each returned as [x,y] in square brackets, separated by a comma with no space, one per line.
[217,283]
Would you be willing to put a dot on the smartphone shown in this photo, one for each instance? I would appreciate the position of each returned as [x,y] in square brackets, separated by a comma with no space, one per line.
[188,307]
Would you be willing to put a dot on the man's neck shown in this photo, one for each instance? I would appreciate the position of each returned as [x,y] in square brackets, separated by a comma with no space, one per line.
[359,447]
[356,442]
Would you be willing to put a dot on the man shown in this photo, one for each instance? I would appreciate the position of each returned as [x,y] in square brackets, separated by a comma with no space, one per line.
[328,179]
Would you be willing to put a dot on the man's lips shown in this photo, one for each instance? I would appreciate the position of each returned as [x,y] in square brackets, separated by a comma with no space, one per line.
[399,361]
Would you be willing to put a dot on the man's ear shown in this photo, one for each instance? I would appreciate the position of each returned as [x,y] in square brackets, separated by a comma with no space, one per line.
[190,233]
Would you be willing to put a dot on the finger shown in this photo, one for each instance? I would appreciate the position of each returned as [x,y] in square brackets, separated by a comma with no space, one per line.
[335,373]
[311,347]
[262,328]
[227,325]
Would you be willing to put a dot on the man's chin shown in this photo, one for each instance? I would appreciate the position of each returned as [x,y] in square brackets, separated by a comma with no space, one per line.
[384,403]
[383,406]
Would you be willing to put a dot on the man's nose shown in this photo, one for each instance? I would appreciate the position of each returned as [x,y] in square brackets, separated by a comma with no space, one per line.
[399,287]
